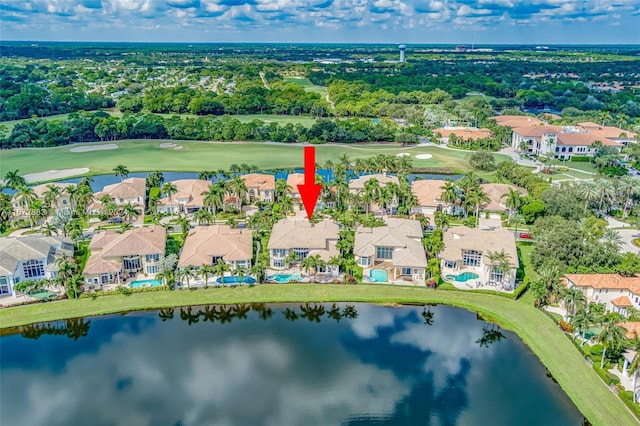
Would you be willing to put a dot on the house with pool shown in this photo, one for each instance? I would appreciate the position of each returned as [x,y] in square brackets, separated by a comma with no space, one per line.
[207,245]
[293,240]
[188,198]
[392,253]
[615,292]
[466,260]
[131,257]
[30,257]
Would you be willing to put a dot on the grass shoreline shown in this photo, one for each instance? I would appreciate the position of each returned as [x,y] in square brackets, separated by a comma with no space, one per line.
[537,331]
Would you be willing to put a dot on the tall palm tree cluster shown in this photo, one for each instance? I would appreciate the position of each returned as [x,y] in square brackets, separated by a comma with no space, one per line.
[607,194]
[464,196]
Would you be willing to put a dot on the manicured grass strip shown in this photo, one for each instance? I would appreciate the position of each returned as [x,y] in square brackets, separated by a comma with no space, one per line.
[577,379]
[146,155]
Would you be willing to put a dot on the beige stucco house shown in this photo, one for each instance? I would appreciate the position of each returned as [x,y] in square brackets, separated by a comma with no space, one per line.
[187,199]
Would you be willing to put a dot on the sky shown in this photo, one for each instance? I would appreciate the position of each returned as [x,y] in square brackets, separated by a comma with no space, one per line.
[325,21]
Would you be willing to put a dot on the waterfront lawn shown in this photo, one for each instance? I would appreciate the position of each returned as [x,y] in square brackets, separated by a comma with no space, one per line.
[557,353]
[146,155]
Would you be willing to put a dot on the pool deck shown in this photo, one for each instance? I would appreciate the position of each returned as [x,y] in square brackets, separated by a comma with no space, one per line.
[404,280]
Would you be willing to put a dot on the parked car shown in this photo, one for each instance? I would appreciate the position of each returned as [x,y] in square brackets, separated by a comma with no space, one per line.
[115,220]
[525,235]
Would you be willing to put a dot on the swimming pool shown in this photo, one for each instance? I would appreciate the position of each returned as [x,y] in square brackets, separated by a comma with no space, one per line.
[145,283]
[284,278]
[378,276]
[465,276]
[236,280]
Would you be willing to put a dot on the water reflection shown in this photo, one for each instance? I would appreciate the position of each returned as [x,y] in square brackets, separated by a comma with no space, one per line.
[258,364]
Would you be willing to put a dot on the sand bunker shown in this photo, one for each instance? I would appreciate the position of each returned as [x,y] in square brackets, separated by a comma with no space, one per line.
[424,156]
[89,148]
[178,147]
[54,174]
[167,145]
[403,154]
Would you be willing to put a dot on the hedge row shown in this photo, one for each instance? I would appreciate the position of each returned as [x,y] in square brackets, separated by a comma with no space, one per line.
[627,398]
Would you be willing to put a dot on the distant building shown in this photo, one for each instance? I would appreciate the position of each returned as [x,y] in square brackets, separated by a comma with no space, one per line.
[402,47]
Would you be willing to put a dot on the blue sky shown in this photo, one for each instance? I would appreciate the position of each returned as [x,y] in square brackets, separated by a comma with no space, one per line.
[339,21]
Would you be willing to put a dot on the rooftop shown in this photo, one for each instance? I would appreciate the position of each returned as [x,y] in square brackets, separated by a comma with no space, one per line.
[137,241]
[404,235]
[461,238]
[18,249]
[382,178]
[205,242]
[288,234]
[261,181]
[605,281]
[128,188]
[190,190]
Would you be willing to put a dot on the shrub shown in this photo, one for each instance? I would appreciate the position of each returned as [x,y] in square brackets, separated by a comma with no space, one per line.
[580,159]
[121,290]
[565,327]
[596,350]
[627,398]
[522,288]
[608,378]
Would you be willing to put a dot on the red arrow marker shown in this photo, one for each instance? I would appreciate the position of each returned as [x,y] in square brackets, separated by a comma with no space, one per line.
[310,191]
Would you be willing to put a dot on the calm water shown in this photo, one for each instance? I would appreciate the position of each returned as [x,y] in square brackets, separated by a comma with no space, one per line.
[355,365]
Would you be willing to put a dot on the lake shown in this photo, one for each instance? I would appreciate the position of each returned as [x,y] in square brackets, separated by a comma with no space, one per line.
[277,365]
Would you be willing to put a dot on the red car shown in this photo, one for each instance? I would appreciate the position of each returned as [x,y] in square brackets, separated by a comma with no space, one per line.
[525,235]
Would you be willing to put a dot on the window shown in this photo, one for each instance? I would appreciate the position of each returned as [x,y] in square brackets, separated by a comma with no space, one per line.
[4,286]
[496,275]
[301,253]
[557,149]
[131,263]
[64,202]
[570,149]
[278,263]
[405,271]
[471,258]
[33,268]
[153,257]
[364,261]
[278,253]
[152,269]
[384,252]
[450,264]
[104,278]
[214,259]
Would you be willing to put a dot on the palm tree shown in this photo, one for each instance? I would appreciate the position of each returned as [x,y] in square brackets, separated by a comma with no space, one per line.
[25,195]
[38,212]
[477,198]
[205,271]
[239,188]
[635,365]
[257,270]
[49,229]
[290,258]
[441,220]
[13,180]
[513,201]
[580,321]
[121,171]
[220,268]
[631,187]
[574,300]
[588,191]
[499,261]
[372,191]
[308,263]
[611,335]
[130,212]
[203,217]
[51,195]
[186,273]
[606,191]
[213,198]
[169,189]
[206,175]
[449,195]
[517,220]
[612,241]
[155,179]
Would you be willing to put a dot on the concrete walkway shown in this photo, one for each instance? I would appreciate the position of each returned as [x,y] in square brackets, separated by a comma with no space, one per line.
[628,234]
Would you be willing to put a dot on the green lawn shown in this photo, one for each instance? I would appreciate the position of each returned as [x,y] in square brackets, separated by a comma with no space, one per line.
[308,85]
[11,124]
[538,331]
[145,155]
[580,165]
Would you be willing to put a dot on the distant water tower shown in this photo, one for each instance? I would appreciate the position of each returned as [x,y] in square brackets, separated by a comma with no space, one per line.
[402,47]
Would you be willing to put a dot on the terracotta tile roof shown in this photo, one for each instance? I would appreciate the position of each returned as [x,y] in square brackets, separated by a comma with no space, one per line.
[288,234]
[260,181]
[293,180]
[428,192]
[536,131]
[188,189]
[205,242]
[464,133]
[608,132]
[383,179]
[517,121]
[459,238]
[403,235]
[137,241]
[496,191]
[632,327]
[583,139]
[129,188]
[99,265]
[605,281]
[622,301]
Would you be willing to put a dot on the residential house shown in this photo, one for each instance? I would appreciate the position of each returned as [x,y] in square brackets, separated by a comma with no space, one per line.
[304,239]
[497,197]
[206,245]
[395,247]
[293,180]
[467,250]
[130,190]
[615,292]
[115,256]
[428,192]
[260,187]
[187,199]
[62,201]
[357,186]
[514,121]
[30,257]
